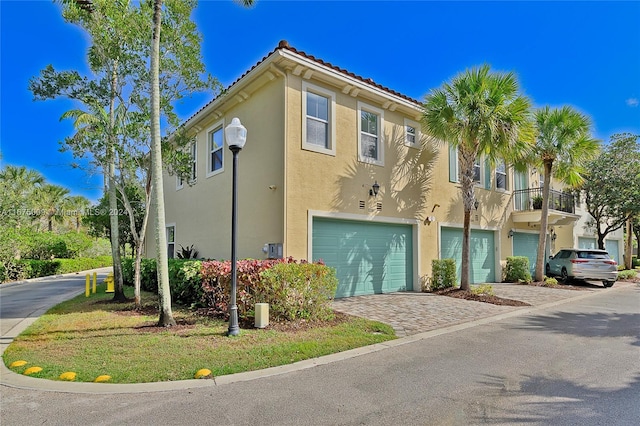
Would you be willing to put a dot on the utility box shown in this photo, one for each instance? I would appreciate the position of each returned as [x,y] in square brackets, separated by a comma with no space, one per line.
[274,251]
[262,315]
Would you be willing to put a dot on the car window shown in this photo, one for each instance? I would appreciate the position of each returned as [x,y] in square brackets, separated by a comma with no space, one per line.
[564,254]
[592,255]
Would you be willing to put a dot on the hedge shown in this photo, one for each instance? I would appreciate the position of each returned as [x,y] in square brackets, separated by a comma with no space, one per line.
[23,269]
[443,273]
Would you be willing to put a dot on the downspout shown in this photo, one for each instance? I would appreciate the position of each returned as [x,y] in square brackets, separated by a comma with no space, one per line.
[285,147]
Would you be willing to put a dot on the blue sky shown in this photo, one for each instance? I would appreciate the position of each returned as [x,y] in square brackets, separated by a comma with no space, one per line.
[584,54]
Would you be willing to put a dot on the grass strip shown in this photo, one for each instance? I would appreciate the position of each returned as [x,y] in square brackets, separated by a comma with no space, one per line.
[94,336]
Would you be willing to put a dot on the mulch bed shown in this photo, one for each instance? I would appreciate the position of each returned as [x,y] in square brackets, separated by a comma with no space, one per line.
[467,295]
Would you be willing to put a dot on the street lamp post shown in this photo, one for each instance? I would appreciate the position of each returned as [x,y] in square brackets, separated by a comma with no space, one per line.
[236,135]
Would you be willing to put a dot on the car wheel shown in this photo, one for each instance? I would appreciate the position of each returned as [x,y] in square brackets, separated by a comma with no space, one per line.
[607,283]
[564,275]
[547,271]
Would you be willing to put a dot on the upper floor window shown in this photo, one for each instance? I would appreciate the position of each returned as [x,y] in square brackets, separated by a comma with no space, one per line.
[318,114]
[216,150]
[501,175]
[370,127]
[477,171]
[411,133]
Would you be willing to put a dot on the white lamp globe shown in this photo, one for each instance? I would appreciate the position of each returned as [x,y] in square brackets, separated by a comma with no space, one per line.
[236,134]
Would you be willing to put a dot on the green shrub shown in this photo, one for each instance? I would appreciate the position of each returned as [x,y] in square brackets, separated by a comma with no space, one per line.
[184,279]
[628,274]
[16,270]
[517,270]
[635,262]
[298,290]
[550,282]
[83,264]
[443,274]
[42,268]
[483,289]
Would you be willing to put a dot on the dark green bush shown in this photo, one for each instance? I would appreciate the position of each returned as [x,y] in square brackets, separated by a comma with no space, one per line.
[635,262]
[517,270]
[42,268]
[443,274]
[15,270]
[184,279]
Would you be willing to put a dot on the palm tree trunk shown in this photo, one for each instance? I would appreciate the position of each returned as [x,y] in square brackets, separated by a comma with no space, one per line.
[628,249]
[544,220]
[164,293]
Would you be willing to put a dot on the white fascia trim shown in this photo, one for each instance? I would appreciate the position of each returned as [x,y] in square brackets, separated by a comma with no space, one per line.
[415,223]
[348,79]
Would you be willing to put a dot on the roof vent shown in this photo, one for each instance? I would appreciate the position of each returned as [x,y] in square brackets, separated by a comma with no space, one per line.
[283,44]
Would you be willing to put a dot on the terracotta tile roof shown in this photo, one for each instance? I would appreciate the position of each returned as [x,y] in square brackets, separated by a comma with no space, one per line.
[284,45]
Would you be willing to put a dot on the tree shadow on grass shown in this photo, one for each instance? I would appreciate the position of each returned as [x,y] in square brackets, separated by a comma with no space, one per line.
[545,400]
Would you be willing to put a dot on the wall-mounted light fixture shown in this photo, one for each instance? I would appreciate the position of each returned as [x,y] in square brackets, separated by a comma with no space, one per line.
[429,220]
[476,204]
[373,192]
[510,234]
[435,206]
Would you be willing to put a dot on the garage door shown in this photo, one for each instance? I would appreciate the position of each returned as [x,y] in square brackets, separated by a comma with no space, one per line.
[483,264]
[613,249]
[369,257]
[587,243]
[525,244]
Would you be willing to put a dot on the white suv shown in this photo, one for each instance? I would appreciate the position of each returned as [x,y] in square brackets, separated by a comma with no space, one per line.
[585,264]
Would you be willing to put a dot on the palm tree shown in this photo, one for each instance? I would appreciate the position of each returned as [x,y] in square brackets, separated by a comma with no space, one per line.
[18,186]
[480,113]
[50,200]
[77,205]
[563,147]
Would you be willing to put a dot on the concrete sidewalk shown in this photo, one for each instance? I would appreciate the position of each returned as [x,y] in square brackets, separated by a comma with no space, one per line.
[416,316]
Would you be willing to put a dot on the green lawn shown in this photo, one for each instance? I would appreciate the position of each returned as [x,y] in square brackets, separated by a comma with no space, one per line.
[93,336]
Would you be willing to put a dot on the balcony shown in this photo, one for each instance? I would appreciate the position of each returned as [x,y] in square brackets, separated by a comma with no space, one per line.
[528,207]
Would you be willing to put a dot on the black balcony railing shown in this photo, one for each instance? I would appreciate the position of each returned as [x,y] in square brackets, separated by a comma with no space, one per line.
[531,199]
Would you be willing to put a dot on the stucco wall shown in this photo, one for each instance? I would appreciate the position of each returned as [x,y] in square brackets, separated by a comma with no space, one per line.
[202,212]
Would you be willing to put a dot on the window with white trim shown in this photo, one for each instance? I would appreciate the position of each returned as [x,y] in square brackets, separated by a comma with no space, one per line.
[215,161]
[501,175]
[171,241]
[411,133]
[477,171]
[370,125]
[318,115]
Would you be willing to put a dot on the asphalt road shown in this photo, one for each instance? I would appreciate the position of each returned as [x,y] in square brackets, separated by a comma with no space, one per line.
[22,303]
[575,364]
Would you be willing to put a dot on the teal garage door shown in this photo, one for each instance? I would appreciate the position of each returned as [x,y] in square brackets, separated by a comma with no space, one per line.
[483,264]
[526,245]
[369,257]
[613,249]
[587,243]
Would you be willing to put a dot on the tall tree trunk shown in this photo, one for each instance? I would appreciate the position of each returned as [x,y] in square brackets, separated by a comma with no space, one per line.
[164,292]
[113,197]
[544,221]
[628,247]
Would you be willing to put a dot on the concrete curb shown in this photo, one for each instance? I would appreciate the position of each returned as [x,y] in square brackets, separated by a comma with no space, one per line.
[11,379]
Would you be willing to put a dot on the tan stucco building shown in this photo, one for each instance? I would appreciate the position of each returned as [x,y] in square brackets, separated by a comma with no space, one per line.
[321,142]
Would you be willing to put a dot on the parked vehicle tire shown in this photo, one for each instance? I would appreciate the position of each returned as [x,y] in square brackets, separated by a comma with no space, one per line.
[608,283]
[564,276]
